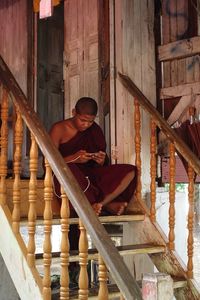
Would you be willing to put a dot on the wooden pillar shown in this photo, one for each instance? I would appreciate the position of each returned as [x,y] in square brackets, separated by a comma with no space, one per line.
[83,260]
[137,122]
[190,221]
[103,277]
[18,138]
[32,201]
[153,171]
[64,255]
[47,247]
[4,146]
[172,163]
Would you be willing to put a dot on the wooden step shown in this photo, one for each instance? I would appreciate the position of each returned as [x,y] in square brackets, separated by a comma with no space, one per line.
[102,219]
[112,289]
[93,254]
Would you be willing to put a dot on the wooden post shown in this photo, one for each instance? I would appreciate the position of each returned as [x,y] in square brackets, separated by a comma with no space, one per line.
[103,277]
[64,255]
[172,163]
[157,286]
[47,247]
[83,260]
[153,171]
[17,164]
[4,146]
[32,201]
[137,122]
[190,221]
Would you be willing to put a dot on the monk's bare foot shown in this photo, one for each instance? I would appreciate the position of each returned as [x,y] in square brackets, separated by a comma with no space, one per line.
[97,208]
[116,208]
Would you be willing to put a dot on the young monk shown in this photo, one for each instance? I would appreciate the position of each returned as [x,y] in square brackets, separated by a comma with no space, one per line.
[82,144]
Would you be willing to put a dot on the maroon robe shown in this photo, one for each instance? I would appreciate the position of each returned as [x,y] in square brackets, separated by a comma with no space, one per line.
[98,180]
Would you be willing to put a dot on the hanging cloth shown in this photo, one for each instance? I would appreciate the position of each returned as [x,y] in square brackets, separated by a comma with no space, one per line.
[36,4]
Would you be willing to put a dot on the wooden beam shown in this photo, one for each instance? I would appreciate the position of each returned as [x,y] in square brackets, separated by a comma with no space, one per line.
[180,90]
[179,49]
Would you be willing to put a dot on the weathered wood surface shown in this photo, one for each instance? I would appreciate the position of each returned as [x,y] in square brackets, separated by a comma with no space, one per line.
[104,219]
[153,165]
[179,49]
[180,90]
[14,254]
[81,61]
[167,262]
[114,262]
[131,41]
[14,38]
[172,164]
[93,254]
[161,123]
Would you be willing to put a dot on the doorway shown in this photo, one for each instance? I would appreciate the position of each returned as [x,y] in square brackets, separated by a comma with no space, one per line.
[50,86]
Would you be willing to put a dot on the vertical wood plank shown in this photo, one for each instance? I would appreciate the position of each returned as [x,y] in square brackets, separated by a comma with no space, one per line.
[172,164]
[153,165]
[190,222]
[64,256]
[103,277]
[47,247]
[182,25]
[138,148]
[165,40]
[83,260]
[4,146]
[18,137]
[32,201]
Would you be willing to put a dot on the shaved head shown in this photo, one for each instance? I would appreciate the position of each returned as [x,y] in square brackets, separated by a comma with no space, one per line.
[86,106]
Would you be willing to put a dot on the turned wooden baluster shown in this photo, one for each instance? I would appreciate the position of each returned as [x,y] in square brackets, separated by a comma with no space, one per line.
[18,138]
[33,166]
[153,171]
[103,277]
[64,256]
[190,221]
[48,197]
[4,145]
[138,148]
[172,164]
[83,260]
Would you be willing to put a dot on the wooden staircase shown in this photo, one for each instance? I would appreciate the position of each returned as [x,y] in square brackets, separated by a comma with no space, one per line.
[20,258]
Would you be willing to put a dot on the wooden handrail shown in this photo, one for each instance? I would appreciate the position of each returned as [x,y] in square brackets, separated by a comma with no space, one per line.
[184,150]
[102,241]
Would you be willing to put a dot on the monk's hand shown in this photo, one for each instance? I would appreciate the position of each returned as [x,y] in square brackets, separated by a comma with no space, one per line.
[99,157]
[82,156]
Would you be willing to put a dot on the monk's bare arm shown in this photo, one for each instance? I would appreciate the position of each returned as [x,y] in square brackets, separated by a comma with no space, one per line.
[56,134]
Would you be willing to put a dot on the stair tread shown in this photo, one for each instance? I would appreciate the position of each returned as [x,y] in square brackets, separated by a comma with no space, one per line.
[124,250]
[103,219]
[112,290]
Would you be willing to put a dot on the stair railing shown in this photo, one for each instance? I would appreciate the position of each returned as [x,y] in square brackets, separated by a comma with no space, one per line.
[54,162]
[176,144]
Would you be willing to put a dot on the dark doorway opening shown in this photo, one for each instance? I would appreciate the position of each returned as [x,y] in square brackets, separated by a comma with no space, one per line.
[50,87]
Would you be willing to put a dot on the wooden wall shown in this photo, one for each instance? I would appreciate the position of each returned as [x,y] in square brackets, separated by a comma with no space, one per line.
[135,56]
[13,38]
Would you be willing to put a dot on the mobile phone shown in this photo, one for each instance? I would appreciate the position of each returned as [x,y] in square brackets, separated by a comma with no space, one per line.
[94,154]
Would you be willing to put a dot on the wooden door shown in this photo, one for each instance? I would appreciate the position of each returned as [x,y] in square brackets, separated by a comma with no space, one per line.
[50,92]
[81,56]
